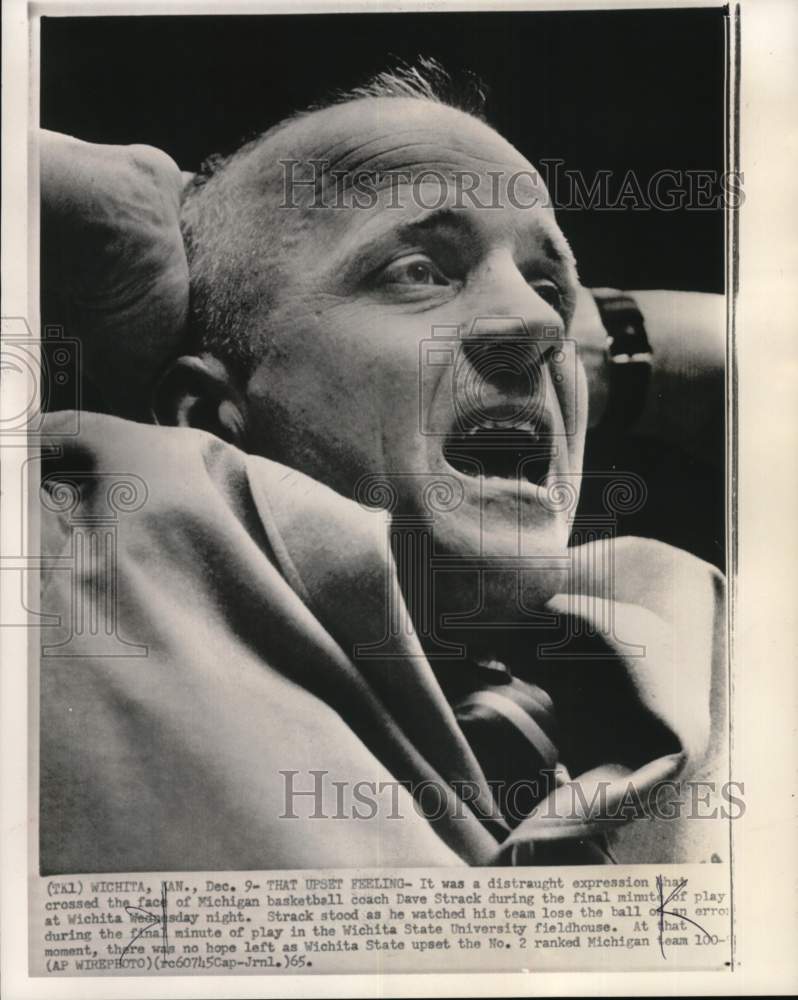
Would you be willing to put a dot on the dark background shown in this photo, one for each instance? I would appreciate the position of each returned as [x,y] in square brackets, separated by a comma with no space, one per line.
[639,90]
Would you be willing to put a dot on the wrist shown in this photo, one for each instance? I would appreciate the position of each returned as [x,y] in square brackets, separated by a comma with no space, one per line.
[628,359]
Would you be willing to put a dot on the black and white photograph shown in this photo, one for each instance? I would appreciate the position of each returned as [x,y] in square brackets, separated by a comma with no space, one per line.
[382,484]
[413,451]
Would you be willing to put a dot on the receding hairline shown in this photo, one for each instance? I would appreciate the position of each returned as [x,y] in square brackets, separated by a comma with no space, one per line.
[285,137]
[219,292]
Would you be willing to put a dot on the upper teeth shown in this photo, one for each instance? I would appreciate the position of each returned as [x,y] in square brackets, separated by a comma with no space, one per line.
[499,425]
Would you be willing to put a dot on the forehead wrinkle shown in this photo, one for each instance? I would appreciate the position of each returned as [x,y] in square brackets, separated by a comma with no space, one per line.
[332,126]
[321,135]
[440,125]
[437,146]
[302,217]
[381,218]
[376,137]
[439,154]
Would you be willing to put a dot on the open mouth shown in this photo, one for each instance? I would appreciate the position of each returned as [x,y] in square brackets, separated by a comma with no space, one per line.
[521,453]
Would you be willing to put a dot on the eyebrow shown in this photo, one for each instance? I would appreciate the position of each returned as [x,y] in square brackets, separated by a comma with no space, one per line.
[461,222]
[554,246]
[360,257]
[438,218]
[557,248]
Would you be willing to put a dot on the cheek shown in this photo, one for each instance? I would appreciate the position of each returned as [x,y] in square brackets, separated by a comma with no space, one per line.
[342,380]
[313,406]
[577,441]
[571,393]
[378,356]
[313,358]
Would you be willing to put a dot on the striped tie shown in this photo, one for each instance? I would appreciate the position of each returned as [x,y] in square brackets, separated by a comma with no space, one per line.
[512,728]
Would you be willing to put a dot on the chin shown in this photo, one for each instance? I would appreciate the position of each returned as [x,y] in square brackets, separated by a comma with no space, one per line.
[500,491]
[493,577]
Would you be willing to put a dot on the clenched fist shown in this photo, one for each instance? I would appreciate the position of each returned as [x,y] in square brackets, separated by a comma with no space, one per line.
[114,269]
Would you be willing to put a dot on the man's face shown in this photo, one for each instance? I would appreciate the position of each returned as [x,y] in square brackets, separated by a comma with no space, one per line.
[419,339]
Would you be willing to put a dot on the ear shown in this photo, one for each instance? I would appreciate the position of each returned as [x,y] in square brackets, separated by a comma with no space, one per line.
[199,391]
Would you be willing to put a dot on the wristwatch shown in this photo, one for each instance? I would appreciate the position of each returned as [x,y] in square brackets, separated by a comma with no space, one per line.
[629,357]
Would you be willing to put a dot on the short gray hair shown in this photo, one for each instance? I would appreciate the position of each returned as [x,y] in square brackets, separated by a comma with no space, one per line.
[219,296]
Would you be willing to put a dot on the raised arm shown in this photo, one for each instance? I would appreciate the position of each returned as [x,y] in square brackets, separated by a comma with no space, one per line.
[114,269]
[685,399]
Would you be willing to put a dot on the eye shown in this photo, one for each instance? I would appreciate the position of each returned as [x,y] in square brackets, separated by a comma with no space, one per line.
[550,293]
[417,270]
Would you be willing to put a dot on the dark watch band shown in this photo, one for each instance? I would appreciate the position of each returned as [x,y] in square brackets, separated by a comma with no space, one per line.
[628,355]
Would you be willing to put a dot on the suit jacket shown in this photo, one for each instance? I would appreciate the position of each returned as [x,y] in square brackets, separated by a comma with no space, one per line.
[203,705]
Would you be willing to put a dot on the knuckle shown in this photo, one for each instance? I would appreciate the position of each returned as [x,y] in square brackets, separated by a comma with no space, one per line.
[153,163]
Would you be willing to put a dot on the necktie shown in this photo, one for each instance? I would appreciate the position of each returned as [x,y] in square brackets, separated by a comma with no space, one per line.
[512,727]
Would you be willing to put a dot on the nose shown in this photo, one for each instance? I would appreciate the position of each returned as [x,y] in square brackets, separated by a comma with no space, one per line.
[505,303]
[511,329]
